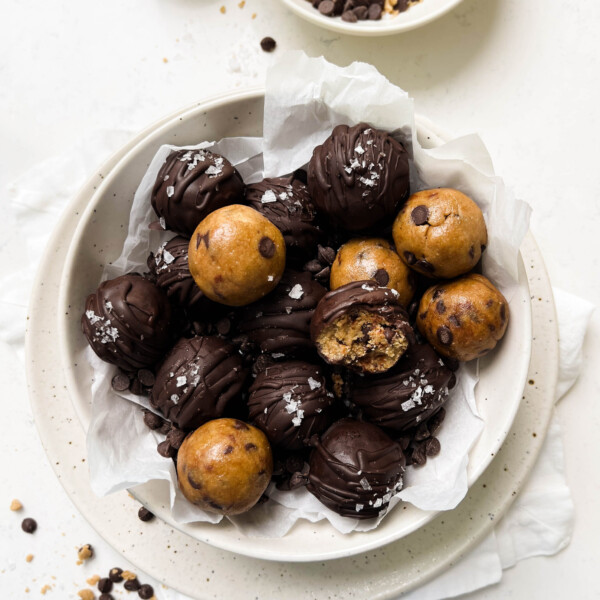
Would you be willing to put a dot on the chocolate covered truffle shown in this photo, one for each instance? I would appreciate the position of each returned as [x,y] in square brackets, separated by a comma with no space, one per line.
[236,255]
[358,176]
[355,469]
[169,268]
[202,378]
[280,324]
[409,393]
[289,401]
[361,325]
[225,466]
[126,322]
[285,201]
[190,185]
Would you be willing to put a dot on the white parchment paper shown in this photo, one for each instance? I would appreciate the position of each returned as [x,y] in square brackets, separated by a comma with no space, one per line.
[306,98]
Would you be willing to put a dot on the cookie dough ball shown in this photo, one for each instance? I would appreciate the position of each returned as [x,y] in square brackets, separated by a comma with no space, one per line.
[373,258]
[225,466]
[201,378]
[289,401]
[440,233]
[355,469]
[361,326]
[236,255]
[190,185]
[463,319]
[285,201]
[407,395]
[358,176]
[127,322]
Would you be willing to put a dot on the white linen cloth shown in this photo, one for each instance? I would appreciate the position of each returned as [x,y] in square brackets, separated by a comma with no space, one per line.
[541,518]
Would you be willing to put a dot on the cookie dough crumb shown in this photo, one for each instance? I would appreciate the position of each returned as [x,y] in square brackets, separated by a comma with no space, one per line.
[254,15]
[128,575]
[93,580]
[47,588]
[84,553]
[27,590]
[242,4]
[86,594]
[223,10]
[165,60]
[15,505]
[29,557]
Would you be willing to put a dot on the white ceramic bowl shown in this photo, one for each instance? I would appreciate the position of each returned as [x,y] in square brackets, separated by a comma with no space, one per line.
[416,16]
[99,238]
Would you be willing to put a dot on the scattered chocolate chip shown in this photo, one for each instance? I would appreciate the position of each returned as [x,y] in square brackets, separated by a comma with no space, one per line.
[444,335]
[422,432]
[268,44]
[266,247]
[325,254]
[223,326]
[165,427]
[349,16]
[152,420]
[440,307]
[410,258]
[381,277]
[326,7]
[313,266]
[323,275]
[29,525]
[432,446]
[105,585]
[146,377]
[175,437]
[132,585]
[143,515]
[419,214]
[120,382]
[419,456]
[146,592]
[115,575]
[136,387]
[361,12]
[165,449]
[375,12]
[435,422]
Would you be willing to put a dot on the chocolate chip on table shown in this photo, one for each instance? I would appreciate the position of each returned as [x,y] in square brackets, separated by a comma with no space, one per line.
[432,446]
[268,44]
[165,449]
[115,575]
[106,597]
[165,427]
[325,254]
[152,420]
[29,525]
[105,585]
[132,585]
[419,457]
[136,387]
[175,437]
[435,422]
[146,592]
[146,377]
[143,515]
[86,551]
[120,382]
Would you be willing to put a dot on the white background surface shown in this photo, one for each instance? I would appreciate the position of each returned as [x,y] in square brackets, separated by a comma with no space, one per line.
[524,75]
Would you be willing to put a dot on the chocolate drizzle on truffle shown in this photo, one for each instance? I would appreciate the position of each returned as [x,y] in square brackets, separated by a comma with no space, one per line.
[126,322]
[200,379]
[355,469]
[358,176]
[190,185]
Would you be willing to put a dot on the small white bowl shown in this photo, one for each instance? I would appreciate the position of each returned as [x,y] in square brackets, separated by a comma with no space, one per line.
[416,16]
[99,238]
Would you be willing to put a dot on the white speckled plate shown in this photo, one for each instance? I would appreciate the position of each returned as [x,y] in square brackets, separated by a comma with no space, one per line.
[202,571]
[416,16]
[99,237]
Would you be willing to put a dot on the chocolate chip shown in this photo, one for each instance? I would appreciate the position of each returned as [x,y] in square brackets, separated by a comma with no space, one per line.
[146,592]
[349,17]
[419,214]
[120,382]
[440,307]
[106,597]
[294,463]
[314,266]
[165,449]
[432,447]
[491,327]
[223,326]
[198,240]
[326,7]
[388,332]
[165,427]
[410,258]
[472,252]
[240,425]
[381,277]
[438,292]
[297,480]
[143,515]
[325,254]
[205,239]
[152,420]
[132,585]
[419,457]
[266,247]
[250,446]
[483,247]
[435,422]
[146,377]
[425,265]
[422,432]
[105,585]
[444,335]
[489,303]
[404,443]
[423,315]
[195,484]
[361,12]
[268,44]
[323,275]
[29,525]
[454,320]
[228,450]
[136,387]
[115,575]
[175,437]
[375,12]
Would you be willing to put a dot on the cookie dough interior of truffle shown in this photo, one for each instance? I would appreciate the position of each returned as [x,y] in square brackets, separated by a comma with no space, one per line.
[364,340]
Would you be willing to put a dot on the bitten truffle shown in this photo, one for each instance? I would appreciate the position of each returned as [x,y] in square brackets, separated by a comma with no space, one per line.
[358,176]
[280,324]
[373,258]
[169,268]
[464,318]
[285,201]
[355,469]
[126,322]
[236,255]
[409,393]
[289,401]
[225,466]
[190,185]
[202,378]
[440,233]
[361,326]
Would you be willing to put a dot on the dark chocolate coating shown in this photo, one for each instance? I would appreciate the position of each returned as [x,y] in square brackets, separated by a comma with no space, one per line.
[169,268]
[358,177]
[409,393]
[355,469]
[190,185]
[289,402]
[200,379]
[356,296]
[280,324]
[126,322]
[285,201]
